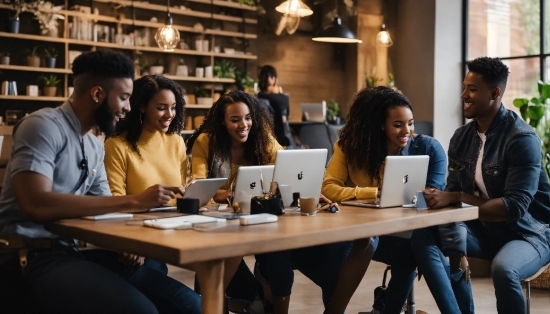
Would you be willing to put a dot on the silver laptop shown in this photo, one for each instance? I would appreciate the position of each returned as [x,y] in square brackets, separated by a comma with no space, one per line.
[314,111]
[302,169]
[204,189]
[249,184]
[403,177]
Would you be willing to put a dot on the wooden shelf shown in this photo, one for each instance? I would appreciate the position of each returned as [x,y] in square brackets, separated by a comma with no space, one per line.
[34,69]
[200,79]
[33,98]
[227,4]
[196,106]
[32,37]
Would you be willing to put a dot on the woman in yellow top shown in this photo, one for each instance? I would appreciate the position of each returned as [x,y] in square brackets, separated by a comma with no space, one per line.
[238,131]
[147,149]
[380,123]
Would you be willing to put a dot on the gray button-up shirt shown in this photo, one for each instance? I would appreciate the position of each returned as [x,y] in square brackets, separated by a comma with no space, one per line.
[48,142]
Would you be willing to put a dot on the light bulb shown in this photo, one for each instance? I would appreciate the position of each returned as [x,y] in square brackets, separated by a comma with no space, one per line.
[383,38]
[167,37]
[294,8]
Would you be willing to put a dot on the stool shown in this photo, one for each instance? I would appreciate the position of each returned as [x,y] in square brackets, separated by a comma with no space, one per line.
[527,282]
[410,307]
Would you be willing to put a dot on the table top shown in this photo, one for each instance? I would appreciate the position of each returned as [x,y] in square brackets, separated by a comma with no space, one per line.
[292,231]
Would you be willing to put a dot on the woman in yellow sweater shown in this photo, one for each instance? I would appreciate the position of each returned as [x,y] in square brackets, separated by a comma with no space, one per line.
[147,149]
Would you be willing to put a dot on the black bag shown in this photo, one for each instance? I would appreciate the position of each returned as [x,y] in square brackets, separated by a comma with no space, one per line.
[272,205]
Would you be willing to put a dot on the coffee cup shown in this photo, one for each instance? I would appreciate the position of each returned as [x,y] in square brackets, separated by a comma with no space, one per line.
[308,206]
[188,205]
[286,194]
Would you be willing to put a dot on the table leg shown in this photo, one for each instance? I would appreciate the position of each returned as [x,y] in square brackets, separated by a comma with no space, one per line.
[210,277]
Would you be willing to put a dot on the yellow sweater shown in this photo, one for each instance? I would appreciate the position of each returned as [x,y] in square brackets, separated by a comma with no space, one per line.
[163,161]
[342,182]
[199,160]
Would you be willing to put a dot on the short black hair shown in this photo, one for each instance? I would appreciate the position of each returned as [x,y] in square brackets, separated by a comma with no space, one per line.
[494,72]
[104,64]
[266,72]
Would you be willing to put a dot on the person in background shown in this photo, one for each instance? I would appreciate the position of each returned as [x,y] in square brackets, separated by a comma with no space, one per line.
[380,123]
[495,163]
[56,157]
[237,131]
[278,101]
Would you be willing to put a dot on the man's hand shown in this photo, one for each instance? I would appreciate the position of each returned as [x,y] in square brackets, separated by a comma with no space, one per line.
[158,194]
[438,199]
[131,259]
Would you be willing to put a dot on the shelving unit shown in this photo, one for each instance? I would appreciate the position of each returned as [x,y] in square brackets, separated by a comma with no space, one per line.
[224,24]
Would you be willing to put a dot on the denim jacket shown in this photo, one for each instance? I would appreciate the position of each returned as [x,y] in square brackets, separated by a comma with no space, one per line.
[511,169]
[426,145]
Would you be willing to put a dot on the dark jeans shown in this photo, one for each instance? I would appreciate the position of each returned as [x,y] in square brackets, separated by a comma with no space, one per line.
[320,263]
[65,280]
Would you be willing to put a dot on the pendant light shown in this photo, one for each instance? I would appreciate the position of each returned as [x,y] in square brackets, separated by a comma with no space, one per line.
[383,38]
[167,37]
[294,8]
[337,33]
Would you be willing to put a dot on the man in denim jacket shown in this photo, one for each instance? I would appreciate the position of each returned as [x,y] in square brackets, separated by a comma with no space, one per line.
[495,162]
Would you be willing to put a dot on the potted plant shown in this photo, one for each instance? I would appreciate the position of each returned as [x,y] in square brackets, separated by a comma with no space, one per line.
[157,68]
[332,112]
[50,55]
[224,69]
[45,13]
[203,96]
[533,111]
[33,60]
[17,6]
[50,84]
[4,57]
[244,82]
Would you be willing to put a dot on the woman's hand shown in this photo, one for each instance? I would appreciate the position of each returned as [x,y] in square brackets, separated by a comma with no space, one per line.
[131,259]
[438,199]
[222,196]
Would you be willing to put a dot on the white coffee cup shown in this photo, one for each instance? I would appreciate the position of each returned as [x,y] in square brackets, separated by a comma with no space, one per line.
[286,194]
[199,72]
[208,71]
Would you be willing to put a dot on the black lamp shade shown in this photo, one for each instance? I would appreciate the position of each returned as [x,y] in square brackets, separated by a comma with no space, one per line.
[336,33]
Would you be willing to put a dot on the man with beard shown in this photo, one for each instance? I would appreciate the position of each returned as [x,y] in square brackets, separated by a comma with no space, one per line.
[56,172]
[495,163]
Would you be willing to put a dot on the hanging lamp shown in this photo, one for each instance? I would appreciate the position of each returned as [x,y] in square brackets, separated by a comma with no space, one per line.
[294,8]
[337,33]
[383,38]
[167,37]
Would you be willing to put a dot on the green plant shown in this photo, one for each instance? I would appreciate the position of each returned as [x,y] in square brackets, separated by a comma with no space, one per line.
[224,69]
[243,80]
[332,110]
[372,79]
[534,112]
[249,3]
[4,53]
[391,80]
[158,63]
[17,6]
[50,52]
[201,92]
[50,80]
[31,52]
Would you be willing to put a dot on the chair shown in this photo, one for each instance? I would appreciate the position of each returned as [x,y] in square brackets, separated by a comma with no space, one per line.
[527,283]
[317,135]
[410,306]
[423,127]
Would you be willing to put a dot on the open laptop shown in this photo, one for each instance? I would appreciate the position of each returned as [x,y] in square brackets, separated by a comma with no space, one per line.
[314,111]
[249,184]
[204,189]
[302,169]
[403,177]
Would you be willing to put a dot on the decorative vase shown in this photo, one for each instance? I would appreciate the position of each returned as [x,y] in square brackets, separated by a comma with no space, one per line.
[50,62]
[13,25]
[33,61]
[156,70]
[207,101]
[50,91]
[5,60]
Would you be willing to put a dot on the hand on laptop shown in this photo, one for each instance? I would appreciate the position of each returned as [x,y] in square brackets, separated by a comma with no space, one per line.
[158,194]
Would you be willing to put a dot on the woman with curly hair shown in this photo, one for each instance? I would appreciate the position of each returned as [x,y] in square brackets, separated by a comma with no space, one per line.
[380,123]
[237,131]
[147,149]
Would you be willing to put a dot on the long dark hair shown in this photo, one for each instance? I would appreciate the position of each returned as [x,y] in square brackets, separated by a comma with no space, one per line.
[362,139]
[266,72]
[144,89]
[257,147]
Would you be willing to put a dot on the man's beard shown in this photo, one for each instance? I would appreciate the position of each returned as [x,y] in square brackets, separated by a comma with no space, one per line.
[105,119]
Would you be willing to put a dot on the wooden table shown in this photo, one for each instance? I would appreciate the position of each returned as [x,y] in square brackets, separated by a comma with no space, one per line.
[206,251]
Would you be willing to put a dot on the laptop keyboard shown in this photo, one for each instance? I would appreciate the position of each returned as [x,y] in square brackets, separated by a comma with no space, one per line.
[359,203]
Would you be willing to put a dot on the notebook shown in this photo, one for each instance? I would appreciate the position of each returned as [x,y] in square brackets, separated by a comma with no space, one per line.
[179,221]
[403,177]
[302,169]
[249,184]
[314,111]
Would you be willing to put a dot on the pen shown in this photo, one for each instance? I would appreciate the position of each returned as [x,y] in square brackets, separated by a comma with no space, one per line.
[262,182]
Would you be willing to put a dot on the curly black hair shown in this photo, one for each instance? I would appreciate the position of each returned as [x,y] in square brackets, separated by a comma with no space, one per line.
[97,67]
[494,72]
[257,147]
[362,139]
[144,89]
[266,72]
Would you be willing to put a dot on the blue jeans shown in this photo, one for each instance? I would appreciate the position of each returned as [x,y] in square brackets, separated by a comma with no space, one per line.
[513,259]
[451,293]
[64,280]
[320,263]
[397,253]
